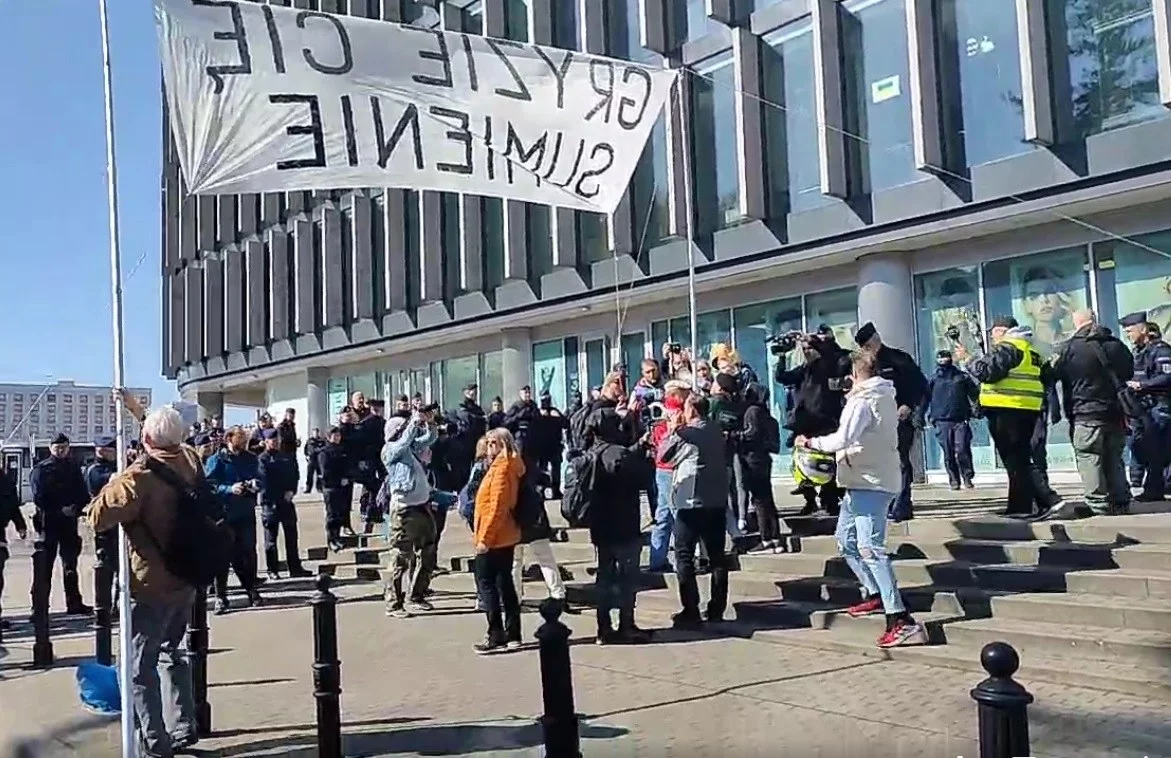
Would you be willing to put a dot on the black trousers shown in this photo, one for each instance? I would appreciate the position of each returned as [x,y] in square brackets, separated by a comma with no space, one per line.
[339,501]
[902,506]
[275,517]
[693,526]
[62,539]
[243,563]
[498,593]
[955,441]
[311,475]
[757,477]
[1012,433]
[553,463]
[3,560]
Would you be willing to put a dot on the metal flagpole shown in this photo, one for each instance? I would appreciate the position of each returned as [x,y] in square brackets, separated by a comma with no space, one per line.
[689,214]
[128,750]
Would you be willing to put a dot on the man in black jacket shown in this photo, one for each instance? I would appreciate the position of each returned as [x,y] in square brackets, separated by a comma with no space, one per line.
[621,466]
[1150,441]
[59,493]
[947,406]
[312,447]
[1012,376]
[910,385]
[334,474]
[469,424]
[1091,366]
[818,399]
[522,420]
[551,426]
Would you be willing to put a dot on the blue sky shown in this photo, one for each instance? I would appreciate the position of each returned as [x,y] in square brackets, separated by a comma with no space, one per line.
[54,238]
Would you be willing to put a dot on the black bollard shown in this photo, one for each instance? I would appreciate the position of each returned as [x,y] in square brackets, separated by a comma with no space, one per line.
[103,604]
[197,650]
[559,723]
[327,671]
[42,575]
[1002,704]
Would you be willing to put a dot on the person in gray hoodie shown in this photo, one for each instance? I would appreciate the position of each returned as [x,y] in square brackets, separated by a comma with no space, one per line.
[694,448]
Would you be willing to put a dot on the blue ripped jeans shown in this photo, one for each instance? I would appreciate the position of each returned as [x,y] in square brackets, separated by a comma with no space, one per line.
[861,536]
[664,521]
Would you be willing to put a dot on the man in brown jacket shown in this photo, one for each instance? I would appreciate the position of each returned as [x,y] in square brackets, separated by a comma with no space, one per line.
[160,602]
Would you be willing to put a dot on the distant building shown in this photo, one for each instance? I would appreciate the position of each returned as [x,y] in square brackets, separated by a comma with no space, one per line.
[81,411]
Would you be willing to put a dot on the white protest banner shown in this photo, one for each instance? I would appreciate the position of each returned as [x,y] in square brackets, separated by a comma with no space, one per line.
[264,98]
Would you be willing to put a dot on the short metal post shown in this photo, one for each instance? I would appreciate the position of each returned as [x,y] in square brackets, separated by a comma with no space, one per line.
[103,602]
[327,671]
[197,649]
[1002,704]
[42,575]
[559,722]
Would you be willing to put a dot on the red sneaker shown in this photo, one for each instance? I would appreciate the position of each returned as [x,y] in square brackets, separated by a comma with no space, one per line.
[867,607]
[903,633]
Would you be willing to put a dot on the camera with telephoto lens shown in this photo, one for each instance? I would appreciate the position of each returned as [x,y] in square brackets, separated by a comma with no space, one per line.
[779,344]
[432,408]
[674,347]
[953,333]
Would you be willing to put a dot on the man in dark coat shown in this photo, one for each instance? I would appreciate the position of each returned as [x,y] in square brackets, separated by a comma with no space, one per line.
[278,477]
[901,369]
[59,493]
[522,420]
[335,471]
[312,447]
[947,406]
[97,475]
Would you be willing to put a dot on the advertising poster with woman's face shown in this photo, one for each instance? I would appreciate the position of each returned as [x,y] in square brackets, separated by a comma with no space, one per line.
[1045,298]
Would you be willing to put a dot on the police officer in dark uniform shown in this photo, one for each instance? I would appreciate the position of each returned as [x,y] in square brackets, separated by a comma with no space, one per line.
[312,447]
[910,387]
[97,474]
[334,472]
[278,477]
[59,493]
[1150,441]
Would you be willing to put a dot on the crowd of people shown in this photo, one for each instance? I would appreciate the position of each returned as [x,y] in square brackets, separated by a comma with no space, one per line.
[696,437]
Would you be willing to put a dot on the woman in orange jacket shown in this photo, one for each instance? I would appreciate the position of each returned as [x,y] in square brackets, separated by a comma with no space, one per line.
[496,536]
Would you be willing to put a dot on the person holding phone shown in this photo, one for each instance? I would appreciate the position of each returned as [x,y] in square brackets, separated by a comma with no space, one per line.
[233,474]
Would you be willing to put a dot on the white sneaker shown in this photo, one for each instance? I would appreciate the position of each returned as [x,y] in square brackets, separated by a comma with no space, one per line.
[1059,510]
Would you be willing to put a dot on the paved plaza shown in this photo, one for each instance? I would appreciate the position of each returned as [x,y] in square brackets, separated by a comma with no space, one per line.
[415,688]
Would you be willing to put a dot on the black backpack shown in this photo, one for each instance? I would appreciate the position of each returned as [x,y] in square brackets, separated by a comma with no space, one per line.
[577,489]
[199,545]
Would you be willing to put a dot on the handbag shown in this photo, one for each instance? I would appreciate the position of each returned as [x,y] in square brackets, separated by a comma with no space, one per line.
[1129,400]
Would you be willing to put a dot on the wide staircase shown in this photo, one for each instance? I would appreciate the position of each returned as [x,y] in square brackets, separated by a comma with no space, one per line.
[1085,601]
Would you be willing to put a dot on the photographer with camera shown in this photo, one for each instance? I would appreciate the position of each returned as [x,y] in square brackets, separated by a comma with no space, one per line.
[818,386]
[233,474]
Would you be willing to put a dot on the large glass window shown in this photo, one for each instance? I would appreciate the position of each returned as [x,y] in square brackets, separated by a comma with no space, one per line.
[566,23]
[597,361]
[790,126]
[713,327]
[698,23]
[540,240]
[837,309]
[516,20]
[414,239]
[457,374]
[1042,292]
[633,352]
[549,370]
[944,299]
[347,272]
[877,72]
[714,154]
[367,384]
[472,17]
[1135,276]
[449,207]
[378,252]
[649,191]
[416,13]
[979,44]
[336,393]
[593,241]
[755,324]
[1105,67]
[492,221]
[492,376]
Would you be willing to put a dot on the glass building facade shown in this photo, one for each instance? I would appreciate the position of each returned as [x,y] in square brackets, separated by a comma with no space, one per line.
[917,164]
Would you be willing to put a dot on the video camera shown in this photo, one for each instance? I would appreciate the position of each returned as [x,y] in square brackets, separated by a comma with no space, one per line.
[780,344]
[432,408]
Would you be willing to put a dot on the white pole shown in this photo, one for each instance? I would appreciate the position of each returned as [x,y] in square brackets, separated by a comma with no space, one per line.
[124,655]
[689,213]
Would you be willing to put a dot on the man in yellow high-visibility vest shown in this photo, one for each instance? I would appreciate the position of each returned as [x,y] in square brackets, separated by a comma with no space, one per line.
[1012,393]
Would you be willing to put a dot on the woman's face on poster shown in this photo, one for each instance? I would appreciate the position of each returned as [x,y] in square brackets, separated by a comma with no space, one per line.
[1042,300]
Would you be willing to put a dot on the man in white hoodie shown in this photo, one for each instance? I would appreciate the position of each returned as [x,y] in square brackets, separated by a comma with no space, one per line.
[866,447]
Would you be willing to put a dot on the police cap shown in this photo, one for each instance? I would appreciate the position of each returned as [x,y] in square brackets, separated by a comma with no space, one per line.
[104,442]
[60,439]
[864,334]
[1134,319]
